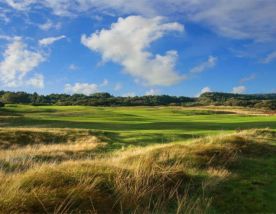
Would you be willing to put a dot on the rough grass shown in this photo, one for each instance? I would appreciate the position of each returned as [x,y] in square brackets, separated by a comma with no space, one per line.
[11,138]
[228,173]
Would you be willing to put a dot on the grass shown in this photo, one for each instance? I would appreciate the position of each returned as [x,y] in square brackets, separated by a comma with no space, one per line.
[136,160]
[136,125]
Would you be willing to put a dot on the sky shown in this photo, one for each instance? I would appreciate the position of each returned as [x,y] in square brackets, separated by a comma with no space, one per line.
[134,48]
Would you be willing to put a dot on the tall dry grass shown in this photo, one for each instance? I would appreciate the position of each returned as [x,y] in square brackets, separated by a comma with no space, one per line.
[170,178]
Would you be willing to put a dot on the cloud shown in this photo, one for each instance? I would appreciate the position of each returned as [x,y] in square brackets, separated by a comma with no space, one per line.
[118,87]
[17,62]
[36,81]
[210,63]
[104,83]
[81,88]
[49,25]
[247,19]
[72,7]
[133,35]
[50,40]
[7,38]
[204,90]
[73,67]
[235,19]
[248,78]
[152,92]
[269,58]
[239,90]
[20,5]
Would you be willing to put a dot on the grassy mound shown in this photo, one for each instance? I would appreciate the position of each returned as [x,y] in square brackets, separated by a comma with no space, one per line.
[20,137]
[22,148]
[227,173]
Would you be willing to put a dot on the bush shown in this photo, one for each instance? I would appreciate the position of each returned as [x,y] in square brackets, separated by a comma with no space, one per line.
[2,104]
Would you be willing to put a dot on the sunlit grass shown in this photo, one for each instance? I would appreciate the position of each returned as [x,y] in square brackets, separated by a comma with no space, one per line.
[183,177]
[138,125]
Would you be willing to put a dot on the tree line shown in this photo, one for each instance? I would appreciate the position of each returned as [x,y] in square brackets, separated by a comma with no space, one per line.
[267,101]
[96,99]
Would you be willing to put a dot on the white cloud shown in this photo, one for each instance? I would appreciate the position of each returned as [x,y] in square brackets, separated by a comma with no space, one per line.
[49,25]
[152,92]
[210,63]
[246,19]
[269,58]
[73,67]
[133,35]
[118,86]
[239,90]
[204,90]
[81,88]
[20,5]
[7,38]
[17,62]
[36,81]
[104,83]
[248,78]
[50,40]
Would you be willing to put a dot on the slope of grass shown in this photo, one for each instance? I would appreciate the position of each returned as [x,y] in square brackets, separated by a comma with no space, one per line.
[228,173]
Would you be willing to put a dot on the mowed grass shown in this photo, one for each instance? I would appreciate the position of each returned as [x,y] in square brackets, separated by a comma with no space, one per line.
[136,160]
[135,125]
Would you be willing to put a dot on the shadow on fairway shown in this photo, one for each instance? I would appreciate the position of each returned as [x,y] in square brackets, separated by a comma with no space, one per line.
[110,126]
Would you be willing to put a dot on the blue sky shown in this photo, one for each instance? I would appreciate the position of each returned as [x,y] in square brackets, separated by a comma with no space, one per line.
[127,47]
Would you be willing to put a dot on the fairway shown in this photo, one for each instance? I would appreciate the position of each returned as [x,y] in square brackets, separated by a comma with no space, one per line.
[136,125]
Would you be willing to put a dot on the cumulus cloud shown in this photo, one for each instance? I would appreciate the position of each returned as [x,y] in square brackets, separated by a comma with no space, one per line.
[269,58]
[50,40]
[204,90]
[81,88]
[210,63]
[17,62]
[239,90]
[246,19]
[133,35]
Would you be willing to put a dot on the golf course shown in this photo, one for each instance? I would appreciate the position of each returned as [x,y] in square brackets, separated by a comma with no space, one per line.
[82,159]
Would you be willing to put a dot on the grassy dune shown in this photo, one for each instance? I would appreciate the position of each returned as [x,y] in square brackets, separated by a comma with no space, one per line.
[113,160]
[224,173]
